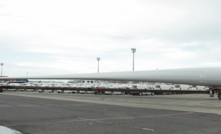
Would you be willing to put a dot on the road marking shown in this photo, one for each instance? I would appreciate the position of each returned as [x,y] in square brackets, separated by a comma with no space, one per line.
[148,129]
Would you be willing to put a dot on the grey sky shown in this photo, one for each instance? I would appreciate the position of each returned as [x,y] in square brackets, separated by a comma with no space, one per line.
[62,37]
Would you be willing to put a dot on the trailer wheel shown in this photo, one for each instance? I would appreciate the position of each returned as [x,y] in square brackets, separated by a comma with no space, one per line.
[219,95]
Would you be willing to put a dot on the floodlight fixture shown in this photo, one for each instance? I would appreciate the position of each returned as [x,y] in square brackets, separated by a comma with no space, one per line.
[133,50]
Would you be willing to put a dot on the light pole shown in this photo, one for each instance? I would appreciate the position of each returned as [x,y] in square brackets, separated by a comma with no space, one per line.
[133,51]
[98,59]
[1,68]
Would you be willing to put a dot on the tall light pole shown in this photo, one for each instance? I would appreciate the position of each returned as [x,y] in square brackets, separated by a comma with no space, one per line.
[98,59]
[1,67]
[133,51]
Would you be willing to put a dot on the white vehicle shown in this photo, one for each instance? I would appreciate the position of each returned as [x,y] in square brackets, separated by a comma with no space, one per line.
[147,93]
[118,92]
[28,84]
[108,92]
[3,84]
[142,86]
[40,90]
[30,90]
[123,86]
[75,91]
[182,87]
[197,88]
[44,85]
[203,87]
[193,87]
[94,85]
[130,86]
[67,91]
[87,86]
[90,92]
[111,86]
[163,87]
[49,91]
[21,90]
[12,89]
[82,92]
[60,91]
[150,86]
[13,84]
[140,93]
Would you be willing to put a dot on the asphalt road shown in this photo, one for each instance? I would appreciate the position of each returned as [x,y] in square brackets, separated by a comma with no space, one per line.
[34,113]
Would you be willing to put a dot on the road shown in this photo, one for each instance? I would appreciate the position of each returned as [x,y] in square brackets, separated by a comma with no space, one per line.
[50,113]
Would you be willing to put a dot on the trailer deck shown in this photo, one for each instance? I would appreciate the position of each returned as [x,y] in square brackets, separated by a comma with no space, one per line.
[211,91]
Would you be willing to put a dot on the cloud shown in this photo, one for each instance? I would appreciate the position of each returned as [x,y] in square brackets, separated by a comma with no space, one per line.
[47,36]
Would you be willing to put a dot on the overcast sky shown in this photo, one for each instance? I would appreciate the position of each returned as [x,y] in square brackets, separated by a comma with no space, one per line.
[45,37]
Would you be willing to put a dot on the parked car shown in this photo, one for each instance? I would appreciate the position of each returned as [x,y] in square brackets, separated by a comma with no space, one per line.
[182,87]
[108,92]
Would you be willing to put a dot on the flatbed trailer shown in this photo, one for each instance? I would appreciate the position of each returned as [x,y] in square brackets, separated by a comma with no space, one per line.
[211,91]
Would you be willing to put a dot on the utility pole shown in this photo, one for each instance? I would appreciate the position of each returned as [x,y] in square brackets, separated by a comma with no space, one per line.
[1,68]
[98,59]
[133,51]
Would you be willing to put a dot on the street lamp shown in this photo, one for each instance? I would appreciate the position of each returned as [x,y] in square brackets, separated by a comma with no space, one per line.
[1,67]
[98,59]
[133,51]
